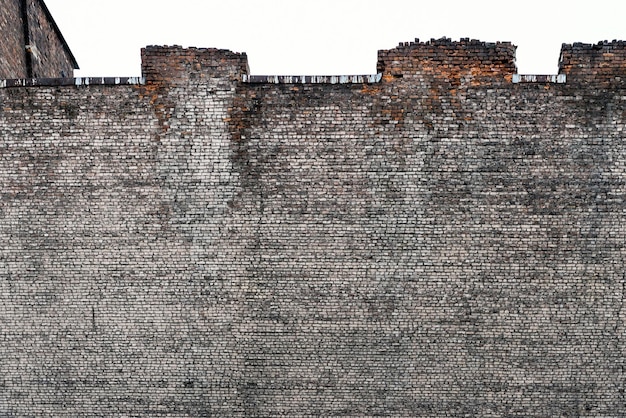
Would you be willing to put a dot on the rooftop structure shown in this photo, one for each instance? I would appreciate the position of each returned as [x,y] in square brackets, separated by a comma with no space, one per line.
[32,44]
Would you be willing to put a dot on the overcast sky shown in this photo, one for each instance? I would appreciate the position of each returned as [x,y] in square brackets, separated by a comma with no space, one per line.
[332,37]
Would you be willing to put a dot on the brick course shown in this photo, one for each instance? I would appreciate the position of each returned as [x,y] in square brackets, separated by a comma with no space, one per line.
[442,242]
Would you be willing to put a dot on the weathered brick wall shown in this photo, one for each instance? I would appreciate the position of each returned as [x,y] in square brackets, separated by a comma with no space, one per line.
[49,55]
[51,58]
[423,246]
[602,65]
[449,62]
[12,58]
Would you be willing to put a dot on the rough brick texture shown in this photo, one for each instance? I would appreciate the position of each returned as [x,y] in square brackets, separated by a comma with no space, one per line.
[449,62]
[600,65]
[49,54]
[52,57]
[12,56]
[422,246]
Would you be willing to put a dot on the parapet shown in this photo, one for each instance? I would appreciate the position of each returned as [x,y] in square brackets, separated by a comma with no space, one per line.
[438,62]
[465,61]
[602,64]
[172,64]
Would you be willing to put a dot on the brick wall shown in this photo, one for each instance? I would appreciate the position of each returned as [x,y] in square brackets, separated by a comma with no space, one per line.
[602,65]
[49,55]
[12,57]
[52,57]
[422,246]
[449,62]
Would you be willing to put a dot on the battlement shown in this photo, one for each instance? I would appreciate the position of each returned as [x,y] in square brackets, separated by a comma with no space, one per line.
[171,63]
[462,61]
[432,240]
[439,61]
[602,64]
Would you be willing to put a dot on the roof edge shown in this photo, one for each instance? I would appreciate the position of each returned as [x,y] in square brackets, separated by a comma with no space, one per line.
[59,34]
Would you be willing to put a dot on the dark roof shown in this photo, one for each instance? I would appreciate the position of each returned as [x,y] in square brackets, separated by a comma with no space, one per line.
[59,34]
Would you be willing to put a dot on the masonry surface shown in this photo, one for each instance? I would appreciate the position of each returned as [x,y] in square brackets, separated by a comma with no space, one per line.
[436,241]
[32,45]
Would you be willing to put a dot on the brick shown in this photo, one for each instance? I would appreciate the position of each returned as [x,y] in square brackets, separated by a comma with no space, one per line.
[446,242]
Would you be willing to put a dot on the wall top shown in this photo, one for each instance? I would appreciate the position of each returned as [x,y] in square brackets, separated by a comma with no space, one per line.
[467,60]
[166,64]
[602,64]
[440,62]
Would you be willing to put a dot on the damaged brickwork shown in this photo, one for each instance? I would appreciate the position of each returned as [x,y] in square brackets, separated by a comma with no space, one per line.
[435,241]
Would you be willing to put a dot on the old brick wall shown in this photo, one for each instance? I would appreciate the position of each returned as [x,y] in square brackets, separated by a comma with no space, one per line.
[602,65]
[452,62]
[437,245]
[422,246]
[51,58]
[12,58]
[49,55]
[117,263]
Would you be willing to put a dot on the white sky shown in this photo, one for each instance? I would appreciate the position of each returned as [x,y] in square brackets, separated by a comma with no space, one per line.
[332,37]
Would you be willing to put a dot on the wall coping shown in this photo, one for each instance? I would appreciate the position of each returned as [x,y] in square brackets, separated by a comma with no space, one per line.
[77,81]
[248,79]
[312,79]
[525,78]
[375,78]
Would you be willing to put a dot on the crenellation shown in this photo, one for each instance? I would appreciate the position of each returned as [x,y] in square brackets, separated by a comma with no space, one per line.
[444,238]
[173,64]
[444,60]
